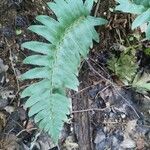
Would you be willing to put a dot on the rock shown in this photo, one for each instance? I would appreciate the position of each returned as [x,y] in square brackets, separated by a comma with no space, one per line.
[21,22]
[14,3]
[10,109]
[128,143]
[7,31]
[3,69]
[3,103]
[99,137]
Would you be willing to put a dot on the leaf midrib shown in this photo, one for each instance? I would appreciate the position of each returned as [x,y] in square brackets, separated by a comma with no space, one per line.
[58,45]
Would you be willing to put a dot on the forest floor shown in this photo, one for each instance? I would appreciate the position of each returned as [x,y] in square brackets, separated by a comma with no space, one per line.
[106,114]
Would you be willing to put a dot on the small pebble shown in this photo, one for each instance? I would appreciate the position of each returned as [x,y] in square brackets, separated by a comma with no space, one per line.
[123,116]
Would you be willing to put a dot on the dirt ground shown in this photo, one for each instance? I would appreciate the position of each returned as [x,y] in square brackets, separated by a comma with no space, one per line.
[106,115]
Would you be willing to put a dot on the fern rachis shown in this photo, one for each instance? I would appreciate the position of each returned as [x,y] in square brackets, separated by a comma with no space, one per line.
[69,38]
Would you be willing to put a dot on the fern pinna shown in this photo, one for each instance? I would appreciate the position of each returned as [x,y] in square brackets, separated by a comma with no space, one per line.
[57,61]
[140,8]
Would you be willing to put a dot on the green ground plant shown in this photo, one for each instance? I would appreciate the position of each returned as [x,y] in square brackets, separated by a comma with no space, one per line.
[56,62]
[124,65]
[142,83]
[126,68]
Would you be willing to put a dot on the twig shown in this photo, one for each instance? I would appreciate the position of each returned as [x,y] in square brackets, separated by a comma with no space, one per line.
[97,7]
[12,64]
[114,86]
[27,130]
[87,110]
[100,67]
[58,147]
[14,70]
[86,88]
[114,123]
[98,73]
[14,97]
[35,139]
[102,91]
[126,101]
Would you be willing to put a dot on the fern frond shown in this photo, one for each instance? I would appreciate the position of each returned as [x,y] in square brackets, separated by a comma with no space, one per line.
[68,41]
[139,7]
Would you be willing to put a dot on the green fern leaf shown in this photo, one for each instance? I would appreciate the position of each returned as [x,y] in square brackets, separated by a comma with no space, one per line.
[141,19]
[145,3]
[139,7]
[129,7]
[56,64]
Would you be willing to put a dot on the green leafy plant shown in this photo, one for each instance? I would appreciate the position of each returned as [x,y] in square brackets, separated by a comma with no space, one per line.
[147,51]
[142,83]
[124,65]
[69,38]
[141,8]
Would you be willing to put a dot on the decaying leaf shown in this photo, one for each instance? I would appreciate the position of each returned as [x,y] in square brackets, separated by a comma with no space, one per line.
[9,143]
[2,121]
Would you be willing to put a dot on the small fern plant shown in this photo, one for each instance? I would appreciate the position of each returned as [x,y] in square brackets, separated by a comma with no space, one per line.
[124,66]
[56,62]
[141,8]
